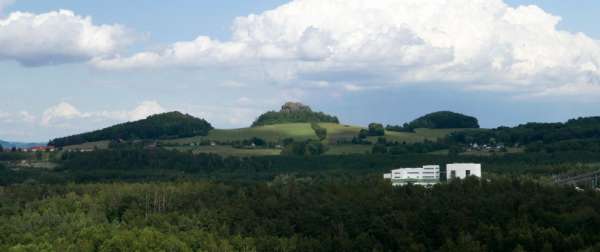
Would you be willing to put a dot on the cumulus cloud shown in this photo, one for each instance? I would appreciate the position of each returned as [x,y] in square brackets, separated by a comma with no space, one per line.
[144,110]
[57,37]
[61,111]
[473,43]
[65,112]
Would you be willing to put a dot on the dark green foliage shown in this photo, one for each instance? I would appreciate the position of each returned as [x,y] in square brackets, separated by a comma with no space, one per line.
[534,135]
[304,148]
[293,113]
[363,134]
[439,120]
[376,129]
[379,148]
[291,213]
[162,126]
[159,164]
[319,131]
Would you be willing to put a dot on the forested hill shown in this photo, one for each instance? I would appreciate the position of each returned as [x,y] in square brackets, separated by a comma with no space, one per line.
[293,113]
[445,120]
[439,120]
[161,126]
[575,134]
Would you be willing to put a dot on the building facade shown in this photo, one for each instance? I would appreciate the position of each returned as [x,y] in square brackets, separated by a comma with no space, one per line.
[429,175]
[462,171]
[426,176]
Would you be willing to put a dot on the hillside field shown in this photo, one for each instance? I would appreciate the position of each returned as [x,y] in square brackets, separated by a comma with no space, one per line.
[338,138]
[303,131]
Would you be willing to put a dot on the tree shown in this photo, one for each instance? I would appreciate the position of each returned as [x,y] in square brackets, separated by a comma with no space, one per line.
[293,113]
[376,129]
[363,134]
[304,148]
[319,131]
[1,148]
[379,149]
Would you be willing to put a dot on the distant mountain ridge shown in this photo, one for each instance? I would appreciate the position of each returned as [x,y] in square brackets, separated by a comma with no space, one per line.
[294,112]
[6,144]
[160,126]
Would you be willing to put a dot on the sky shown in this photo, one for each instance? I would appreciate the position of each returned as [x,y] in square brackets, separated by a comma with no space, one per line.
[70,66]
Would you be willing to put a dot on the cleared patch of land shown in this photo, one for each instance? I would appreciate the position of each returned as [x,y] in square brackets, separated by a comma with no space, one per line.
[270,133]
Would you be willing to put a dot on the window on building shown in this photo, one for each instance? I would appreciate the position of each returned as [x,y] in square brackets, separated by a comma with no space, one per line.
[468,173]
[453,174]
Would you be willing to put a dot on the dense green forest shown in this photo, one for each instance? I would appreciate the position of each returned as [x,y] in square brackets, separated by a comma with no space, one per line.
[438,120]
[167,125]
[292,213]
[535,133]
[293,113]
[164,165]
[143,196]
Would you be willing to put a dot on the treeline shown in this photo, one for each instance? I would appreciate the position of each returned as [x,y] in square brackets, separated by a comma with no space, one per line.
[164,165]
[162,126]
[534,133]
[299,214]
[274,117]
[438,120]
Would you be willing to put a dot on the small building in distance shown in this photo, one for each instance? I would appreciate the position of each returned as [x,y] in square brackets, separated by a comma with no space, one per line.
[426,176]
[462,171]
[429,175]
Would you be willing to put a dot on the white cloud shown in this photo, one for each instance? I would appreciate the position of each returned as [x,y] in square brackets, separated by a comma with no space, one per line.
[61,111]
[144,110]
[353,87]
[57,37]
[64,112]
[18,117]
[475,44]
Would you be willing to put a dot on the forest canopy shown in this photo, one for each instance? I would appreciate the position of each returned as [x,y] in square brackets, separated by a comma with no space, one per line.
[293,112]
[439,120]
[161,126]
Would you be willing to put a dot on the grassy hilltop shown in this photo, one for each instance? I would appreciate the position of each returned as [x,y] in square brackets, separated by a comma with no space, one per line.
[268,135]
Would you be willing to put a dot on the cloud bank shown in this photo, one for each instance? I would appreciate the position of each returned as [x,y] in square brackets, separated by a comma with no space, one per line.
[56,38]
[474,44]
[62,113]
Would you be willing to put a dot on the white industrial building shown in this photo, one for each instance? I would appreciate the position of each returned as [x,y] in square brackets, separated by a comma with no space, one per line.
[426,176]
[430,174]
[462,171]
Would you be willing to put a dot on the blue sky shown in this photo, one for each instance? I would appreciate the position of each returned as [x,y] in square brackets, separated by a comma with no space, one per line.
[372,66]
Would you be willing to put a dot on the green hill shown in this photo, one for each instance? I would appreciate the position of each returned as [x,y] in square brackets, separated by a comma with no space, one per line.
[338,138]
[161,126]
[293,113]
[445,120]
[439,120]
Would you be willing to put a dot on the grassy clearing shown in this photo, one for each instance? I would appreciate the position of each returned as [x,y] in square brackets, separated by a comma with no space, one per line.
[271,133]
